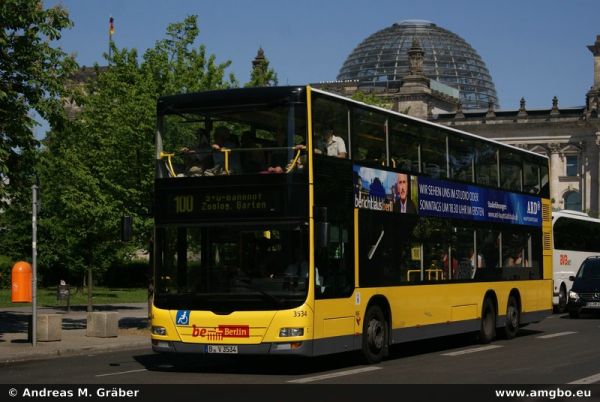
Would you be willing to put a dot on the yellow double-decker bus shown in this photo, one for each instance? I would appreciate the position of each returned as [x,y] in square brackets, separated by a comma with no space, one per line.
[289,220]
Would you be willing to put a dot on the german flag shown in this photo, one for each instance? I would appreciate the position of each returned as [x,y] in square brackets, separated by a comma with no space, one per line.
[111,26]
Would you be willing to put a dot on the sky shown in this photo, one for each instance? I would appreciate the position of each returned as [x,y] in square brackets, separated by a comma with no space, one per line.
[535,49]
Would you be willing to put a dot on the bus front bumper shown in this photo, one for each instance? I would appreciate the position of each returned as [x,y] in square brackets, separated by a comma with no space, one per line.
[303,348]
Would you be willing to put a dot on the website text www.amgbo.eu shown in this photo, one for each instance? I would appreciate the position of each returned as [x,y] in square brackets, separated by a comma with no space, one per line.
[550,394]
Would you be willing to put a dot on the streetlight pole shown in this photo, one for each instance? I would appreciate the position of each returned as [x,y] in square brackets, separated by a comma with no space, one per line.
[34,190]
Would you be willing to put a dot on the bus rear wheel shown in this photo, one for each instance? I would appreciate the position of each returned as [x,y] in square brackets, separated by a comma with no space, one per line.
[487,332]
[513,318]
[375,335]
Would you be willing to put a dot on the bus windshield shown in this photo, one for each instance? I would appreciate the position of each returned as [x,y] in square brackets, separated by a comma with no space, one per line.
[261,138]
[232,268]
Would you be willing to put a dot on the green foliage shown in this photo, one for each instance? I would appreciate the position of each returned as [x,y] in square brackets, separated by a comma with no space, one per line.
[15,220]
[6,264]
[175,66]
[33,75]
[100,166]
[370,99]
[79,221]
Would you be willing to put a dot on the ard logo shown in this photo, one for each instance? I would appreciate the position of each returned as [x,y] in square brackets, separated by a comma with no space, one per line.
[533,207]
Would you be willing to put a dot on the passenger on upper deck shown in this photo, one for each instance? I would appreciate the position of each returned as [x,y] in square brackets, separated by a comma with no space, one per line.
[199,157]
[331,145]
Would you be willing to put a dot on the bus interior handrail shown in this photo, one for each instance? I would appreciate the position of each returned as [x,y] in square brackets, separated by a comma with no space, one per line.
[227,151]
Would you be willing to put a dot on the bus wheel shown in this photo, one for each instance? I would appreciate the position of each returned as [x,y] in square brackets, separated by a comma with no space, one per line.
[487,333]
[562,300]
[513,318]
[375,335]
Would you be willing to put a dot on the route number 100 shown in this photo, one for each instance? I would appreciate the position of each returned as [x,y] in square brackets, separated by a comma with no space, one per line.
[184,204]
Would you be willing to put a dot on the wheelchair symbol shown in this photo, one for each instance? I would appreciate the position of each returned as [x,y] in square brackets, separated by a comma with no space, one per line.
[183,317]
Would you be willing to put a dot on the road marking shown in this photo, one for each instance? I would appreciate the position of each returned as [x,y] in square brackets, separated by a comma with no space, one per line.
[121,372]
[472,350]
[587,380]
[334,375]
[556,335]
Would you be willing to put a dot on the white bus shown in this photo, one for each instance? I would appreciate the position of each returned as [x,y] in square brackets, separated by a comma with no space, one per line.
[576,237]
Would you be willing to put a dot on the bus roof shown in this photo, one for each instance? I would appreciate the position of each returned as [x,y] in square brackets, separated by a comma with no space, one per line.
[566,213]
[188,102]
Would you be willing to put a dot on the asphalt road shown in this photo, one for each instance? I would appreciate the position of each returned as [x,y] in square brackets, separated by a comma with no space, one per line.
[558,350]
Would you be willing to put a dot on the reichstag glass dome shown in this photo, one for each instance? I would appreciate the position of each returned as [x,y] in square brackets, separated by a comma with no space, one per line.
[382,60]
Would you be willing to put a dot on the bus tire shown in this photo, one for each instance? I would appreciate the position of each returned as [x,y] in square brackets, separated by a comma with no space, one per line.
[375,336]
[562,299]
[487,332]
[513,318]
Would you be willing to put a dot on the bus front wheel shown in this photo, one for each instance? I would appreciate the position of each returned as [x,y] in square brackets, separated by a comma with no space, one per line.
[375,335]
[487,333]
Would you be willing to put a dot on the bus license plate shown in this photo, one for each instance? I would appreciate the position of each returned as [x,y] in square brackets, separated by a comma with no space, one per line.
[593,305]
[229,349]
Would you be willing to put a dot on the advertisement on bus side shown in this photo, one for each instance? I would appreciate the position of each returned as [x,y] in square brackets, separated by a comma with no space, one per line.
[393,192]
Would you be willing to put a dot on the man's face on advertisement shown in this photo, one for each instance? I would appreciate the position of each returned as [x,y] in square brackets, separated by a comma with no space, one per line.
[402,186]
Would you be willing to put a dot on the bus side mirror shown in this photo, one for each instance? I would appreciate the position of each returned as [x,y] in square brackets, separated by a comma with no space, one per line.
[126,228]
[321,227]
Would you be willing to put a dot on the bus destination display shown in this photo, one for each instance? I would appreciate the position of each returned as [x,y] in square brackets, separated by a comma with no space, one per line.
[210,203]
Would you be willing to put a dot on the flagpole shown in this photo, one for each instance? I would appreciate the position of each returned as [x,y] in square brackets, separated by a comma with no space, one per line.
[111,29]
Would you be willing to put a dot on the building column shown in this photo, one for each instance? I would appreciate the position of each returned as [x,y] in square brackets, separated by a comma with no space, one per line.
[584,186]
[556,170]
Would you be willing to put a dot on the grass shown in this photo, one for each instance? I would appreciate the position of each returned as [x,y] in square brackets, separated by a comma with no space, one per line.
[47,297]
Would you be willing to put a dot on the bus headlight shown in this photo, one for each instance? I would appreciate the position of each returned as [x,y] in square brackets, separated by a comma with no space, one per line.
[573,295]
[287,332]
[162,331]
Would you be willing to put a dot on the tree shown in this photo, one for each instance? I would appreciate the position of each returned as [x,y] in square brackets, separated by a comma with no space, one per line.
[79,217]
[33,75]
[105,157]
[175,66]
[262,75]
[370,99]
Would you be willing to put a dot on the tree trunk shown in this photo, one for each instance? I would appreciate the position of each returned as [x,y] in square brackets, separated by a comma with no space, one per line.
[90,308]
